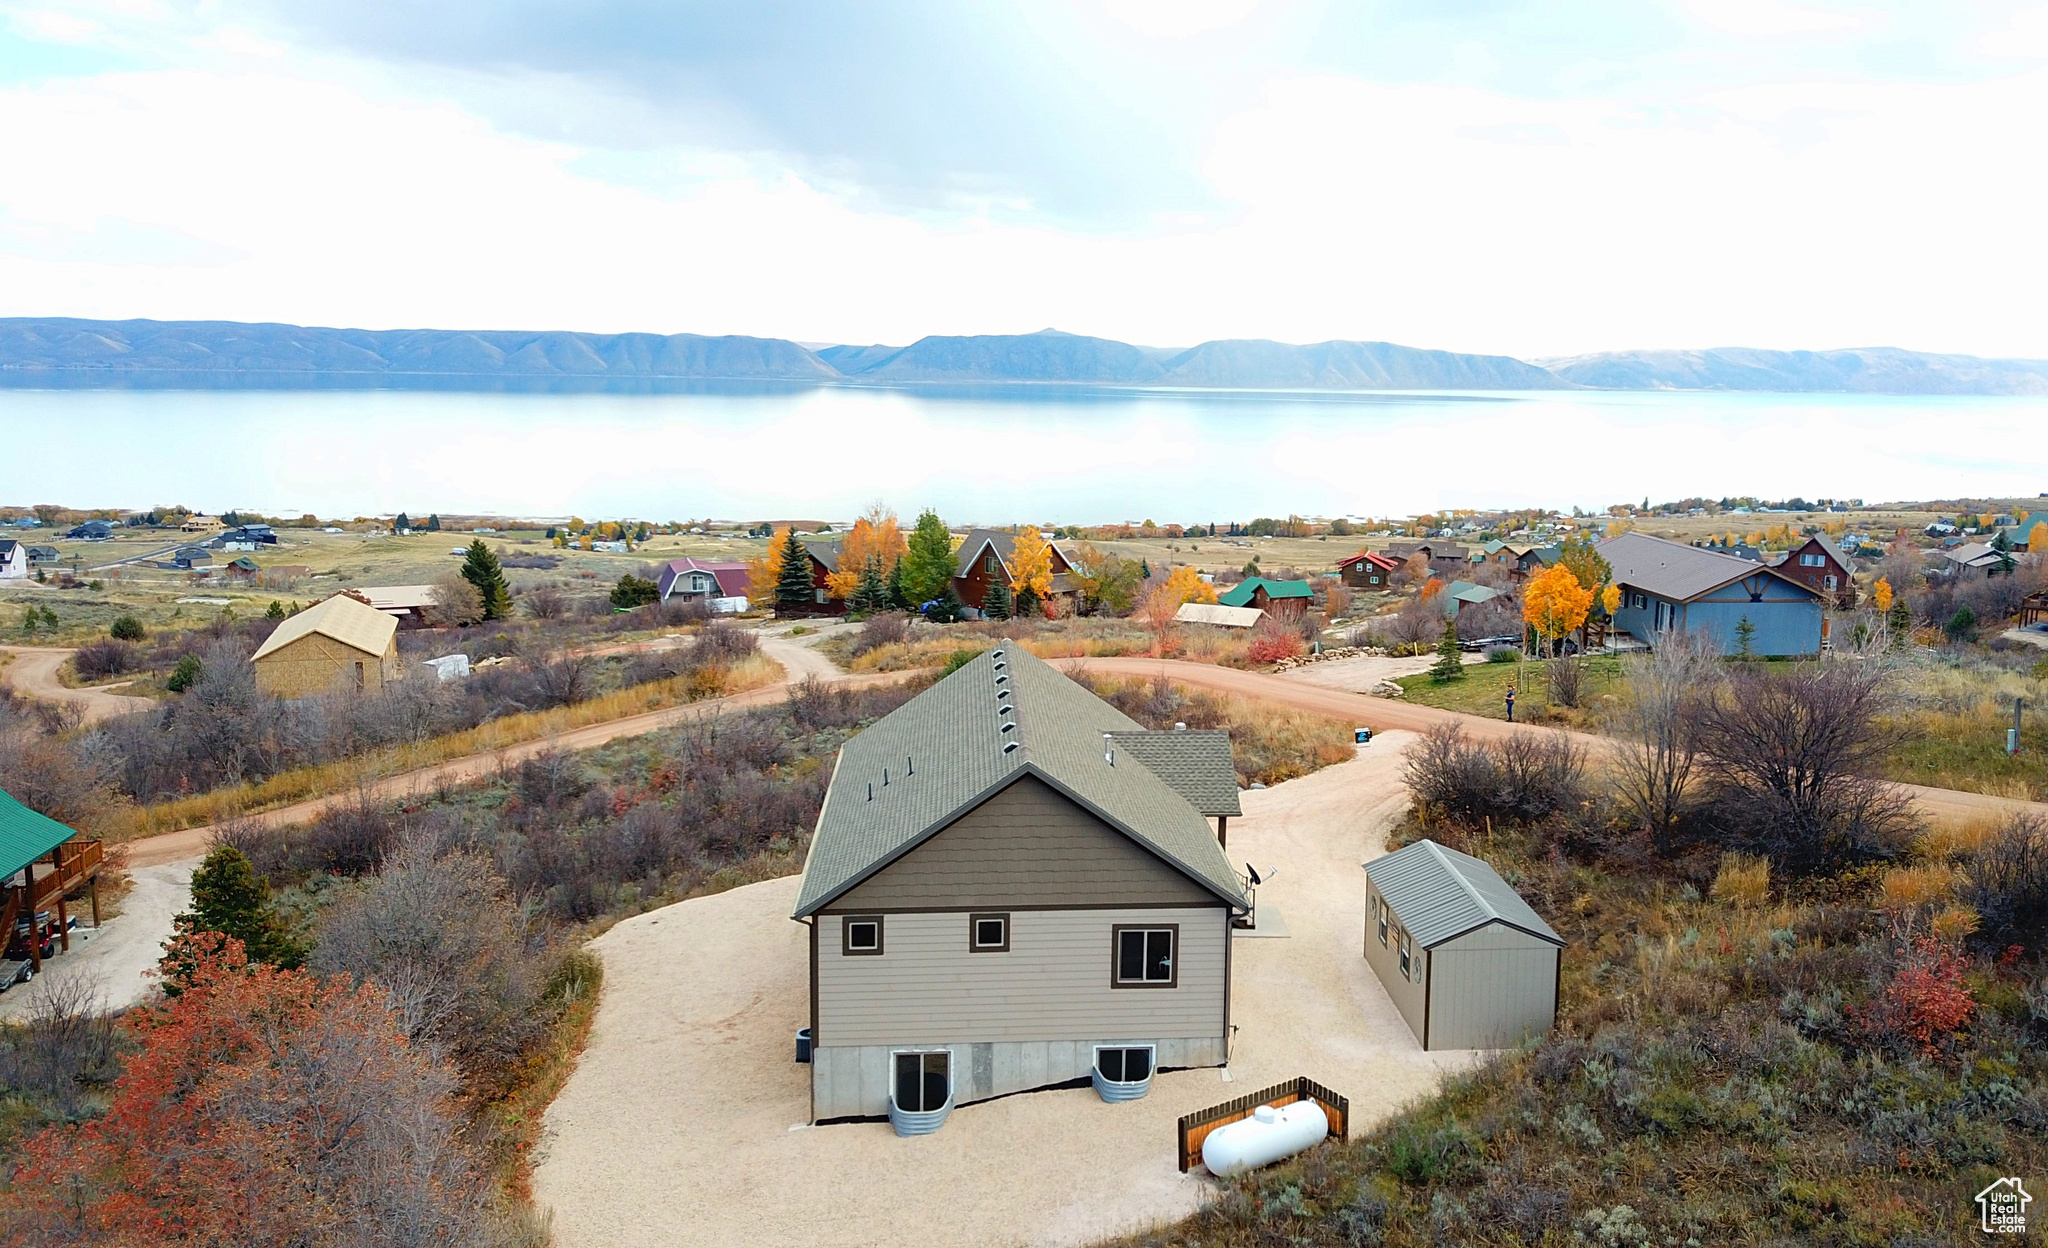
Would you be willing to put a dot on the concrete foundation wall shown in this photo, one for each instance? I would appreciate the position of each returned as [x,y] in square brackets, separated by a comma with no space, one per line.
[849,1081]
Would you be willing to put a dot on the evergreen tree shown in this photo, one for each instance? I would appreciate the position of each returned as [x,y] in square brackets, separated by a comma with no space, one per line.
[871,592]
[1900,622]
[1745,639]
[633,591]
[230,898]
[481,569]
[1144,570]
[434,524]
[400,524]
[185,675]
[1449,665]
[897,600]
[275,611]
[793,588]
[1025,604]
[995,604]
[927,563]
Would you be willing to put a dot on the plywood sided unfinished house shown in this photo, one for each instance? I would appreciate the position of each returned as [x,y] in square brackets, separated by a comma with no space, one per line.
[1468,964]
[342,643]
[1009,878]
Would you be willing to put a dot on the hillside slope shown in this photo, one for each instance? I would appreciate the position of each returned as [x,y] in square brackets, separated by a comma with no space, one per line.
[1255,363]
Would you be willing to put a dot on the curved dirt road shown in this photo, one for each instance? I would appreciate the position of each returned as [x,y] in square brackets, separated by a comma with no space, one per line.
[33,674]
[797,662]
[1382,714]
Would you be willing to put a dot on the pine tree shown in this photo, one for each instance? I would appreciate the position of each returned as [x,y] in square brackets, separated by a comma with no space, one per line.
[871,592]
[1449,665]
[275,611]
[482,570]
[793,588]
[400,524]
[1745,639]
[1899,622]
[230,898]
[927,563]
[897,600]
[995,604]
[434,524]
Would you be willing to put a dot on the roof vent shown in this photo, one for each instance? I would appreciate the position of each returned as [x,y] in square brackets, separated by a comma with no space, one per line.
[1109,749]
[1001,679]
[885,777]
[871,790]
[996,654]
[908,769]
[1010,747]
[1007,725]
[1006,709]
[1001,694]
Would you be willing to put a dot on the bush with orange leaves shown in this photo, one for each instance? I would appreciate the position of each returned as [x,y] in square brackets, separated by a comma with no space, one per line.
[264,1107]
[1925,1002]
[1273,641]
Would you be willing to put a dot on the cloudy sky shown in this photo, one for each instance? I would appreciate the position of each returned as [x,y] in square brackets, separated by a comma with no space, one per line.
[1483,175]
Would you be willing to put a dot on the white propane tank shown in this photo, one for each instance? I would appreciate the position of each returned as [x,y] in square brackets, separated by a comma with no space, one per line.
[1264,1138]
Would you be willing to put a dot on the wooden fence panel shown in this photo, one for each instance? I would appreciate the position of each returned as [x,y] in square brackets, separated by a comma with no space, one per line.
[1195,1127]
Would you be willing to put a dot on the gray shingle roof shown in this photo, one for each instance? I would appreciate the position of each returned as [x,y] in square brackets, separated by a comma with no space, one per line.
[1195,763]
[824,550]
[970,550]
[945,752]
[1674,570]
[1439,893]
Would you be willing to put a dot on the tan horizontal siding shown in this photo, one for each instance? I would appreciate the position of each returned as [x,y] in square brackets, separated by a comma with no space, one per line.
[1053,984]
[1027,845]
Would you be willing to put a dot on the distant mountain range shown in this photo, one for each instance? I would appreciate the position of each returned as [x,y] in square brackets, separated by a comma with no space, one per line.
[75,352]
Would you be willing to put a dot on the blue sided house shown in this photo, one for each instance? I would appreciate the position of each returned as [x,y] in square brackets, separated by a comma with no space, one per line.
[1669,585]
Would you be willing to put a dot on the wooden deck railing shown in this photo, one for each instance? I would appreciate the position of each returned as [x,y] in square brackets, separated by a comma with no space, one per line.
[77,862]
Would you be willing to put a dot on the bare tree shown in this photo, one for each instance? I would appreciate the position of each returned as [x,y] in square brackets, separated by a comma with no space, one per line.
[543,602]
[562,678]
[1658,728]
[1793,761]
[457,604]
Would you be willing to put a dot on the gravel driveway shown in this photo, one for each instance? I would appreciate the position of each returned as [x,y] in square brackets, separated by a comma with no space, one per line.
[681,1125]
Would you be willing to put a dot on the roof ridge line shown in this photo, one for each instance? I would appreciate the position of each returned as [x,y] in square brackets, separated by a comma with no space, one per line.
[1442,853]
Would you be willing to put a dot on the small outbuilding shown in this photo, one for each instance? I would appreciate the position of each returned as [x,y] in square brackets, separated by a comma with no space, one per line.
[1218,615]
[1467,962]
[1280,599]
[342,643]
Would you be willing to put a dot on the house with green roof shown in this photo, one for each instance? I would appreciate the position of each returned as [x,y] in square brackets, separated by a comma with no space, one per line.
[42,862]
[1013,885]
[1280,599]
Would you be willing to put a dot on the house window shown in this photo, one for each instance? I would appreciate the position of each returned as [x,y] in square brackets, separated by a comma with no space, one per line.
[924,1081]
[1407,959]
[1132,1065]
[1144,957]
[988,933]
[1380,911]
[1830,578]
[860,936]
[359,675]
[1813,561]
[988,565]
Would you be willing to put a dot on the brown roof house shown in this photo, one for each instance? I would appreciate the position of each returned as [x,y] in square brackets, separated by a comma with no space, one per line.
[342,643]
[1820,565]
[1368,570]
[985,556]
[1012,885]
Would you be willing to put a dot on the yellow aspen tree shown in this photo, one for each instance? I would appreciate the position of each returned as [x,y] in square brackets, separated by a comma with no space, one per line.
[1184,584]
[1031,565]
[876,534]
[1555,603]
[765,573]
[1610,599]
[1881,594]
[2037,538]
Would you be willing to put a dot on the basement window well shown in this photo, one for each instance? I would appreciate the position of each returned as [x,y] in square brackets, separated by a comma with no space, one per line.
[1125,1065]
[924,1081]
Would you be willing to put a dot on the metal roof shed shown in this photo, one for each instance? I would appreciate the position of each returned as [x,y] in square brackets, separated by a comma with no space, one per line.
[1465,959]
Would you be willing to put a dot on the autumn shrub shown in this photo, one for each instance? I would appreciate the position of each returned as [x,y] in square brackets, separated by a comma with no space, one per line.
[1742,880]
[1268,743]
[1523,778]
[2006,883]
[97,660]
[1273,641]
[59,1058]
[1925,1002]
[263,1106]
[1916,887]
[884,629]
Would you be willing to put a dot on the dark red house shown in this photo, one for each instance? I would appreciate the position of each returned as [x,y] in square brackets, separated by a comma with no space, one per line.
[1820,565]
[1368,570]
[985,556]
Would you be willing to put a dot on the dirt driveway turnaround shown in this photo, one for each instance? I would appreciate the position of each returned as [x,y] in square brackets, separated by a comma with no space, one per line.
[680,1124]
[33,674]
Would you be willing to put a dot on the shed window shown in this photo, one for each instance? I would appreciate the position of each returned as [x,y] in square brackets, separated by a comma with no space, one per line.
[861,936]
[1407,959]
[1125,1065]
[988,933]
[1144,957]
[1380,911]
[924,1081]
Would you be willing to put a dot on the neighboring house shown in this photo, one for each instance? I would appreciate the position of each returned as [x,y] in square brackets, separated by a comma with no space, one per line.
[1279,599]
[1012,885]
[410,605]
[342,643]
[92,531]
[190,557]
[1820,565]
[246,537]
[1368,570]
[1218,615]
[694,580]
[1974,559]
[1465,959]
[13,559]
[242,566]
[1446,559]
[2024,527]
[1669,585]
[38,555]
[613,547]
[1458,595]
[824,556]
[985,556]
[42,862]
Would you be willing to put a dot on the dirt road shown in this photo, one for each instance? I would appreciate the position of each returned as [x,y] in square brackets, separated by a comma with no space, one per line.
[1386,714]
[798,661]
[33,674]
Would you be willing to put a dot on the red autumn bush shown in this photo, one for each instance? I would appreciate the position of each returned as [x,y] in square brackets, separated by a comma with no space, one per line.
[1926,1001]
[264,1107]
[1273,641]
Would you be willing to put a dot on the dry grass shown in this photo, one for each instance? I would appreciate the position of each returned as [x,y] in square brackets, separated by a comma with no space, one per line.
[1225,647]
[1910,888]
[1742,881]
[517,1116]
[1951,842]
[130,822]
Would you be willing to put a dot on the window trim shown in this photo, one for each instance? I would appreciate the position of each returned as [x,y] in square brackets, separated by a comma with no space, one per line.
[1380,913]
[1407,958]
[1116,937]
[974,922]
[846,948]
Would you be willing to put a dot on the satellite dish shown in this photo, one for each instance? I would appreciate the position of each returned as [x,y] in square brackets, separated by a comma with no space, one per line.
[1252,873]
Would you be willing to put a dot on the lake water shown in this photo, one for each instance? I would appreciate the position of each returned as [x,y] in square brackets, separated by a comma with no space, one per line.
[996,454]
